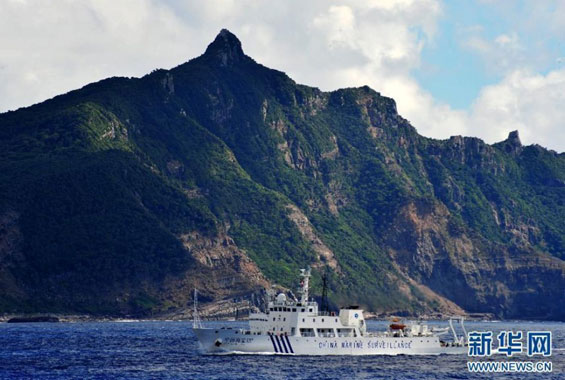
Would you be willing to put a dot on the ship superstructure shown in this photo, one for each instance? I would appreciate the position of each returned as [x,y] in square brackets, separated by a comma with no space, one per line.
[296,327]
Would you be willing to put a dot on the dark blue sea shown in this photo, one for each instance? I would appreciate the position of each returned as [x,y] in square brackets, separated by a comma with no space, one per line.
[168,350]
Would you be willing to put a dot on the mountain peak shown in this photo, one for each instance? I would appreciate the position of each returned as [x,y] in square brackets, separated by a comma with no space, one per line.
[225,49]
[514,139]
[512,144]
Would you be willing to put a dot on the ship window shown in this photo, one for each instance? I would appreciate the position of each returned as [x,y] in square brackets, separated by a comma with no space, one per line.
[322,319]
[307,332]
[336,320]
[303,320]
[281,328]
[303,310]
[294,309]
[271,309]
[326,333]
[274,328]
[274,319]
[310,310]
[345,332]
[284,319]
[314,320]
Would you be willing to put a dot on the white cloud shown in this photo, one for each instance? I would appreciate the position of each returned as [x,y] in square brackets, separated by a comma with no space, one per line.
[501,53]
[318,43]
[47,49]
[339,23]
[505,40]
[529,102]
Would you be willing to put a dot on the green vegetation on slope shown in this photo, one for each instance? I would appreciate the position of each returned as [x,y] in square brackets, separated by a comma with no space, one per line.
[97,187]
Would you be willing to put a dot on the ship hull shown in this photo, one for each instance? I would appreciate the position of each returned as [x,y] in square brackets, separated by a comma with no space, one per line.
[228,341]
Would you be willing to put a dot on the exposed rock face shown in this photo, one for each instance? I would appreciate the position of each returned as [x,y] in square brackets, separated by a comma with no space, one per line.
[514,139]
[512,144]
[168,83]
[454,267]
[324,254]
[223,272]
[175,167]
[226,260]
[226,49]
[113,128]
[333,153]
[115,199]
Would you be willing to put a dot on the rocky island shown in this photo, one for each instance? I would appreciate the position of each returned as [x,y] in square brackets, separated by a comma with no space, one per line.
[224,175]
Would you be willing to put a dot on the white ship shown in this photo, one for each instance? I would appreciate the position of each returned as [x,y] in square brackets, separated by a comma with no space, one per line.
[296,327]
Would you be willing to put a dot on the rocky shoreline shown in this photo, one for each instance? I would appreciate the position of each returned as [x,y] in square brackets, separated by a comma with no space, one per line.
[223,310]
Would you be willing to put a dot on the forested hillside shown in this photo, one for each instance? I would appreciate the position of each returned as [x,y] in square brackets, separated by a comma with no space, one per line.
[222,174]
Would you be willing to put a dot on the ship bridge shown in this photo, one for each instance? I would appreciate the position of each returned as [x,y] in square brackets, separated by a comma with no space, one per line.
[302,318]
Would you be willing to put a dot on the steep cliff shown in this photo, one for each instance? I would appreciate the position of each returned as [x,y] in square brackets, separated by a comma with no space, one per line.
[225,175]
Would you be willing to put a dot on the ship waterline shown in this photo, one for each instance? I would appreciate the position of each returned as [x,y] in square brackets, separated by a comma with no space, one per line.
[232,342]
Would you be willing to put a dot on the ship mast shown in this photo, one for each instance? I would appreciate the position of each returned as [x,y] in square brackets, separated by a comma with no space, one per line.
[325,307]
[196,324]
[303,290]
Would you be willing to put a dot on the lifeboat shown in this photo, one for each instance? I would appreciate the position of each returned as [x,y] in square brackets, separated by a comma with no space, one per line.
[397,326]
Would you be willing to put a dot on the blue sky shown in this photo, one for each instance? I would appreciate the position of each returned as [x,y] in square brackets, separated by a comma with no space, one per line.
[455,74]
[451,72]
[477,68]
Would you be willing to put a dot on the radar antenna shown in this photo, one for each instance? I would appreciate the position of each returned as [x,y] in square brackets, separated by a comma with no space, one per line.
[325,305]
